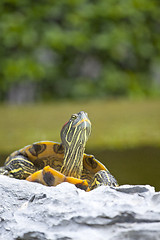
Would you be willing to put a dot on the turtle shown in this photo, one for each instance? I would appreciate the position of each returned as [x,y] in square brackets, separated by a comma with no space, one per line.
[51,163]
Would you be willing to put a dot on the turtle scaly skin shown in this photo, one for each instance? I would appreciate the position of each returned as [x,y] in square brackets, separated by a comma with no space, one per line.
[51,163]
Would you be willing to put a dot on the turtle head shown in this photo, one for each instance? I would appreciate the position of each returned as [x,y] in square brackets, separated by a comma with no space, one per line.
[76,130]
[74,135]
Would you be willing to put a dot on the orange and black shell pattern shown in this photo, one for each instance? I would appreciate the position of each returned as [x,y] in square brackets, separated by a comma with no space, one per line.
[22,163]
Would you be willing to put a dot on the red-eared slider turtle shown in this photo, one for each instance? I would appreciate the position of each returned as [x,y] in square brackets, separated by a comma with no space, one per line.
[51,163]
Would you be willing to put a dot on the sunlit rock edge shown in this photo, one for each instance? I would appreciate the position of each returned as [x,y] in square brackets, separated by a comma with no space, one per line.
[33,211]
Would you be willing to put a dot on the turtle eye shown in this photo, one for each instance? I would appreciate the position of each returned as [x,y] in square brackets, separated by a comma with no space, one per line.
[74,116]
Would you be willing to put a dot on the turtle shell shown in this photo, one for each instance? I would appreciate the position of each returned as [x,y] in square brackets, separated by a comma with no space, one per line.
[51,153]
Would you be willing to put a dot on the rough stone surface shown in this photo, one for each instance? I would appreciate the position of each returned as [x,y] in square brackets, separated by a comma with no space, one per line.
[33,211]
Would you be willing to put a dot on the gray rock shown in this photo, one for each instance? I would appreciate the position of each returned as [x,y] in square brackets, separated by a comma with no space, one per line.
[33,211]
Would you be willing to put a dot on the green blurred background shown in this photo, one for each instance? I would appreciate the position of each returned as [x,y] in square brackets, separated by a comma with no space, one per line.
[60,57]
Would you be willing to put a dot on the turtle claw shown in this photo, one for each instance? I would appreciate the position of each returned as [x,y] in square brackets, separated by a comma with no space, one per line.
[5,172]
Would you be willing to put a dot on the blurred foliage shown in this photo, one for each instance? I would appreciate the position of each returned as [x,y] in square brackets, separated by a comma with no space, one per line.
[81,48]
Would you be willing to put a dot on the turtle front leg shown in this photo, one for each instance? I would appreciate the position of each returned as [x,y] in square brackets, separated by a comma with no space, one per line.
[103,178]
[50,177]
[19,167]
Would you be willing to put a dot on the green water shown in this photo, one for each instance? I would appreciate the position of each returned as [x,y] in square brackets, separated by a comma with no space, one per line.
[133,166]
[129,166]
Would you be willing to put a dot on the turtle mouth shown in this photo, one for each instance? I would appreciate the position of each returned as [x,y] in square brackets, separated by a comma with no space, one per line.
[83,122]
